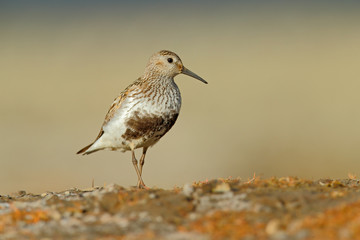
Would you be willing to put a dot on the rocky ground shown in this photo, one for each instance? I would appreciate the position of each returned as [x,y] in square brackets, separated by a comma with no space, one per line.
[276,208]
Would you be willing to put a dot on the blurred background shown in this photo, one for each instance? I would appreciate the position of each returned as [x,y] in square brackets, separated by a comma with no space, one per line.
[282,100]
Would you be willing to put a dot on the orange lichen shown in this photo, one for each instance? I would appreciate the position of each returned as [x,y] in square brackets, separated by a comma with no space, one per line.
[332,223]
[29,217]
[226,225]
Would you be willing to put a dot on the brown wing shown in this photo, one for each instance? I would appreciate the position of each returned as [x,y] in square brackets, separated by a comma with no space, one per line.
[114,107]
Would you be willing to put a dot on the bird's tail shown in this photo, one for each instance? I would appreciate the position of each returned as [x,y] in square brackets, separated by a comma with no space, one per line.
[83,150]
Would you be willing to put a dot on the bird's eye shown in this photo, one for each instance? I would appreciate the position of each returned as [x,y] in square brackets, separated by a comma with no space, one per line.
[170,60]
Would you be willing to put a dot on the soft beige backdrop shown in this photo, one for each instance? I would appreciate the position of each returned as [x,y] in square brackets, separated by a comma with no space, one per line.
[282,99]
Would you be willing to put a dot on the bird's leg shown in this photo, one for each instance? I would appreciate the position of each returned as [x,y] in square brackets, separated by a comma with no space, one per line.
[142,161]
[135,163]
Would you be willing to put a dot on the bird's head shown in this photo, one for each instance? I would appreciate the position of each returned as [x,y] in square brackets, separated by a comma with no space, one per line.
[167,63]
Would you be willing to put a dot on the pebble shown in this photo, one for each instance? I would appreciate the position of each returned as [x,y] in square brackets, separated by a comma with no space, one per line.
[221,188]
[280,235]
[143,215]
[152,196]
[186,236]
[106,218]
[188,189]
[18,194]
[70,222]
[90,219]
[272,227]
[227,201]
[4,208]
[121,221]
[113,188]
[55,215]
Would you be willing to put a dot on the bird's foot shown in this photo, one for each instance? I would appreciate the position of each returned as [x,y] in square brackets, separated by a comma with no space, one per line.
[141,185]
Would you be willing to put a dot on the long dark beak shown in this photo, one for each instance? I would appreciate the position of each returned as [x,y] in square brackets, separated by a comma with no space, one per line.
[191,74]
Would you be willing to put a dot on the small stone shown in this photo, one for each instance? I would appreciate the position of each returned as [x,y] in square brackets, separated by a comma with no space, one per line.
[304,234]
[106,218]
[55,215]
[272,227]
[294,225]
[241,196]
[221,188]
[143,215]
[280,235]
[336,194]
[158,219]
[344,233]
[78,215]
[240,205]
[70,222]
[121,221]
[152,196]
[113,188]
[51,199]
[188,189]
[4,208]
[90,219]
[193,216]
[186,236]
[20,205]
[17,194]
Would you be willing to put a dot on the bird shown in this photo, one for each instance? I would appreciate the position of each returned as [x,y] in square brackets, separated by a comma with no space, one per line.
[144,112]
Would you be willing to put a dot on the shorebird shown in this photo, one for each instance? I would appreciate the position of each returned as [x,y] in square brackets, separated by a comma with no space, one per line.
[144,112]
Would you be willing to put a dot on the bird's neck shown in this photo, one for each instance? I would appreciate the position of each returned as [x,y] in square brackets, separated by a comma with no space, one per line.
[156,78]
[153,72]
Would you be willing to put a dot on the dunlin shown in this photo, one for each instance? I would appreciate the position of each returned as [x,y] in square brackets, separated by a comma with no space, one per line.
[144,111]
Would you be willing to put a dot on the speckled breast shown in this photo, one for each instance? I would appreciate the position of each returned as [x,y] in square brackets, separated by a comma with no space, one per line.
[153,117]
